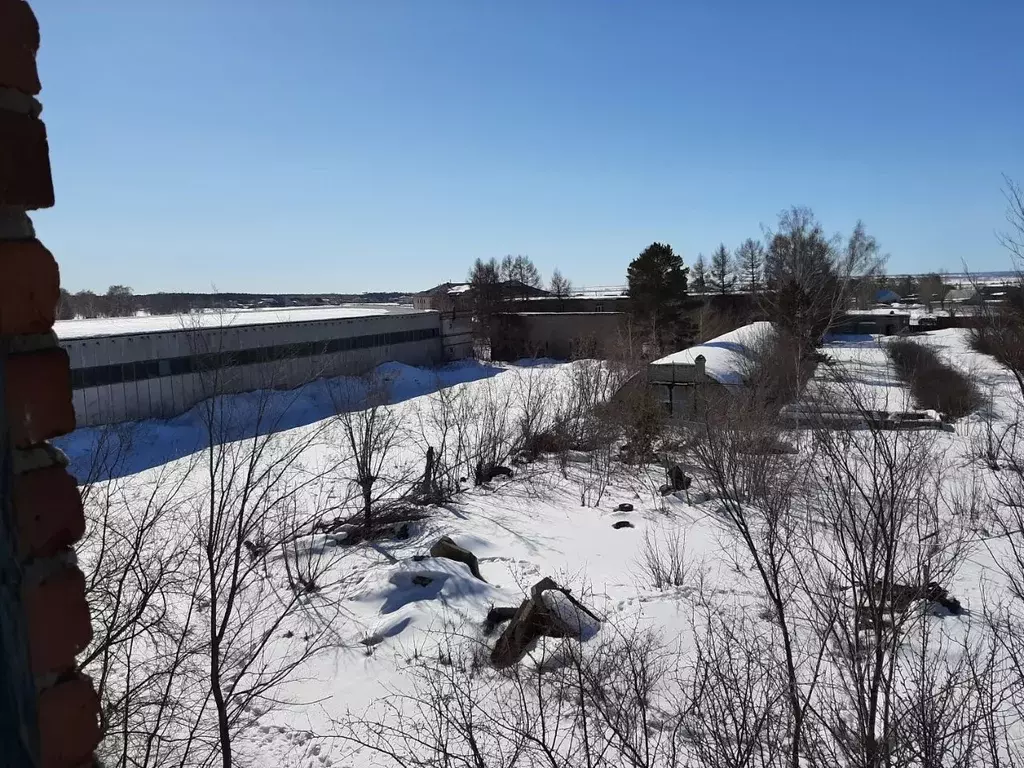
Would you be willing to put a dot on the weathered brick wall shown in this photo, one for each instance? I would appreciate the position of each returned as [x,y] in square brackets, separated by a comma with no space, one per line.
[43,589]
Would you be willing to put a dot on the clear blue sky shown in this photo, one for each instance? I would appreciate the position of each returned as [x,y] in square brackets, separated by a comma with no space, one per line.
[335,145]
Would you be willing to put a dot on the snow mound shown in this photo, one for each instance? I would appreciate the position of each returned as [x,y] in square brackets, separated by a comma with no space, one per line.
[570,615]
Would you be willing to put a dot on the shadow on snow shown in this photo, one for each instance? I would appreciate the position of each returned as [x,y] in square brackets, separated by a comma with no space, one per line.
[152,442]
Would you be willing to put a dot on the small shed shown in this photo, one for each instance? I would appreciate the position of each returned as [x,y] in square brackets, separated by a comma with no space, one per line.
[686,379]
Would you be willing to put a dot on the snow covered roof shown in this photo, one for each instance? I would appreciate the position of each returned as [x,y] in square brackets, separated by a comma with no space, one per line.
[726,357]
[118,326]
[961,294]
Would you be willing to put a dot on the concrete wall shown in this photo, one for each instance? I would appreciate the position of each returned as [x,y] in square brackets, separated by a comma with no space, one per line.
[159,375]
[561,335]
[571,304]
[456,337]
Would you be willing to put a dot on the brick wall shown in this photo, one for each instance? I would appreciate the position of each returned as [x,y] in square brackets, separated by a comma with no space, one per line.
[52,712]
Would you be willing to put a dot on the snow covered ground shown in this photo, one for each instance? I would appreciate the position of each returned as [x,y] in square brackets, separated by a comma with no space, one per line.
[522,529]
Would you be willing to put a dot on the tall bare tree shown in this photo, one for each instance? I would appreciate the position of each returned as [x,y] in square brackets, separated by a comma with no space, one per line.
[750,263]
[519,274]
[721,279]
[699,274]
[888,534]
[931,290]
[560,287]
[811,276]
[487,297]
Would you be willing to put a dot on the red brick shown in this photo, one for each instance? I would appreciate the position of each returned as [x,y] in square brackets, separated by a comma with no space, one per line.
[48,508]
[25,179]
[19,42]
[69,723]
[39,396]
[58,620]
[29,287]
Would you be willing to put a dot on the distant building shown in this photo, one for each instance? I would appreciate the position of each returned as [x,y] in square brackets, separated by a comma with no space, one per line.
[969,296]
[446,297]
[458,297]
[885,296]
[883,322]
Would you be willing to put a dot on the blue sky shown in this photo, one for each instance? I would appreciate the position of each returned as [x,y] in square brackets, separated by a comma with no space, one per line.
[335,145]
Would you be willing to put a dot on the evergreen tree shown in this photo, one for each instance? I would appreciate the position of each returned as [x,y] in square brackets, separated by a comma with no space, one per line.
[657,292]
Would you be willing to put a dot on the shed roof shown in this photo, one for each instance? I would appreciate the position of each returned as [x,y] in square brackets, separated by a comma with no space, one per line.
[727,357]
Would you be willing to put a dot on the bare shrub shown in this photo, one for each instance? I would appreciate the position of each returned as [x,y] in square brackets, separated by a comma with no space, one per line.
[776,370]
[948,692]
[934,383]
[600,704]
[663,559]
[371,434]
[133,563]
[736,697]
[445,419]
[577,419]
[886,535]
[492,438]
[534,393]
[760,494]
[595,476]
[251,506]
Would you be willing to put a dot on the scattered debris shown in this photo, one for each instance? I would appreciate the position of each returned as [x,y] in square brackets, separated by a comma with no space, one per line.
[900,597]
[486,473]
[623,524]
[446,548]
[624,507]
[257,551]
[497,616]
[550,611]
[679,480]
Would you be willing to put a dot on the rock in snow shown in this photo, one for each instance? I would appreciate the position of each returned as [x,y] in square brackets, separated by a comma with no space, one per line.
[445,547]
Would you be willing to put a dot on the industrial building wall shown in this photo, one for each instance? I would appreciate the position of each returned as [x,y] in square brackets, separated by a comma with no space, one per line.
[159,375]
[561,335]
[457,336]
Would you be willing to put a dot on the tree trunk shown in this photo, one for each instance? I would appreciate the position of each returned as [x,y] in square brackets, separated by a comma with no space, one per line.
[429,485]
[367,488]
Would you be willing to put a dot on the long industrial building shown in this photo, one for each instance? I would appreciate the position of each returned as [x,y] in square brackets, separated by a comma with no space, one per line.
[126,369]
